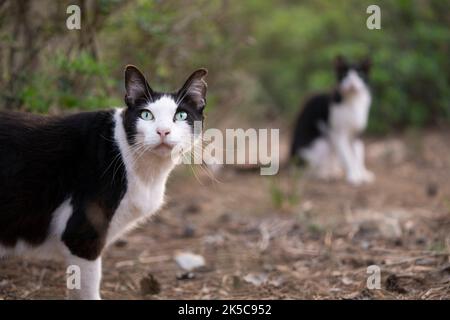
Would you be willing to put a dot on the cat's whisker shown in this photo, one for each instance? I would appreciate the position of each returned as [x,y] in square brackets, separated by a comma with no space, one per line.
[110,164]
[203,166]
[195,175]
[121,163]
[138,151]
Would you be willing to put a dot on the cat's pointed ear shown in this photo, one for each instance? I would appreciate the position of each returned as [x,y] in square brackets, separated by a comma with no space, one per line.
[137,88]
[365,64]
[340,62]
[194,89]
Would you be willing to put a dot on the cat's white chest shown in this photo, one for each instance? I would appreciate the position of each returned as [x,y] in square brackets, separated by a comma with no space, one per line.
[146,182]
[139,202]
[351,115]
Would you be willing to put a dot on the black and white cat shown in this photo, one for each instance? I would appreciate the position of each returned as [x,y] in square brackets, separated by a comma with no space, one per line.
[69,186]
[327,130]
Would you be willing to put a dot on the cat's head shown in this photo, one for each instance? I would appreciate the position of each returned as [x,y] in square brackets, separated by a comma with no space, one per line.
[352,77]
[163,122]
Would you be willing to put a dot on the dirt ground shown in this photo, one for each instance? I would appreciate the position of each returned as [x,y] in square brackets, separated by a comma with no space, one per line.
[283,237]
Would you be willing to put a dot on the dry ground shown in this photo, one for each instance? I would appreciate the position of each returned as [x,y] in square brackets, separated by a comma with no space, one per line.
[283,237]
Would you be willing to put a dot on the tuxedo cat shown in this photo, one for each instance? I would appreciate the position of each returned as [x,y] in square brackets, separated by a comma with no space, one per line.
[71,185]
[327,129]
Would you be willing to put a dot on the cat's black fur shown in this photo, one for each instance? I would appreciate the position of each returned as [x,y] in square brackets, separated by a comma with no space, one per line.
[46,160]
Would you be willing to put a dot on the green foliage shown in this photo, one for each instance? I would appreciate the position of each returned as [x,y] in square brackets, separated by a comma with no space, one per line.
[287,196]
[265,57]
[68,83]
[296,44]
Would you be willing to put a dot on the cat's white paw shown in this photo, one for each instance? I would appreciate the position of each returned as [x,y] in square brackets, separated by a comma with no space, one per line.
[362,178]
[355,180]
[368,176]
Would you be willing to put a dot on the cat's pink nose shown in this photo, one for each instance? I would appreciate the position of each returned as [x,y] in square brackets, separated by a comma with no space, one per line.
[163,132]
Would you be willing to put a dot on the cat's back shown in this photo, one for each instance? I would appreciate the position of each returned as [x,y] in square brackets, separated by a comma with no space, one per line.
[18,123]
[36,147]
[17,132]
[30,123]
[316,108]
[27,130]
[314,114]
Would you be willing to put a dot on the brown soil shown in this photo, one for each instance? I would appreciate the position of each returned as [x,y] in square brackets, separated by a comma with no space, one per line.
[299,237]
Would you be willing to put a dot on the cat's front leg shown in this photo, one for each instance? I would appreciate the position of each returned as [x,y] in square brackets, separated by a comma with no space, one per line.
[343,146]
[89,273]
[366,175]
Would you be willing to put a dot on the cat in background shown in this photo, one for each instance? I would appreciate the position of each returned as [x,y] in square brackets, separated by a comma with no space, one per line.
[326,134]
[71,185]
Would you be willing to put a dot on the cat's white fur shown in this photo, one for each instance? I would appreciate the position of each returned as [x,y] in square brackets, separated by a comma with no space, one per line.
[147,173]
[338,148]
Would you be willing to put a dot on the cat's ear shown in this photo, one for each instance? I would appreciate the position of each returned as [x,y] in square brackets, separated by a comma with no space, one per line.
[365,64]
[194,89]
[137,88]
[340,62]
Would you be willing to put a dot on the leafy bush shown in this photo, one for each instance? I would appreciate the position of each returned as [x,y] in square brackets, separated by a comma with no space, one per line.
[296,45]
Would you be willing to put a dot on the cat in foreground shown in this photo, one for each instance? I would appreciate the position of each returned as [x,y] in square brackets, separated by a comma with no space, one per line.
[71,185]
[327,129]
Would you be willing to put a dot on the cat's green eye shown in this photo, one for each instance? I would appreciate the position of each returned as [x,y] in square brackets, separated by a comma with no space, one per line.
[181,116]
[146,115]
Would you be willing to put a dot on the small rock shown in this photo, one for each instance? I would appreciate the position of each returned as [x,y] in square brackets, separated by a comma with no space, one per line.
[277,282]
[216,239]
[366,230]
[425,262]
[421,241]
[390,228]
[189,261]
[120,243]
[188,231]
[347,281]
[192,209]
[432,190]
[393,285]
[149,285]
[185,275]
[256,279]
[365,244]
[236,281]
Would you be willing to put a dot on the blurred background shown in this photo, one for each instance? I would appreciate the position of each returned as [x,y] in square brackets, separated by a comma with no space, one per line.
[264,56]
[280,237]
